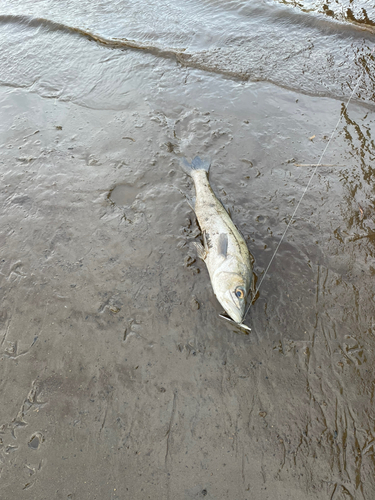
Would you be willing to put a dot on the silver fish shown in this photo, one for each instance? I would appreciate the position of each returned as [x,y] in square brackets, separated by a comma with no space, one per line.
[225,252]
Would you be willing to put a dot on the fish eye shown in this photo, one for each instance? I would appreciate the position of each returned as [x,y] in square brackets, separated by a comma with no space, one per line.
[239,293]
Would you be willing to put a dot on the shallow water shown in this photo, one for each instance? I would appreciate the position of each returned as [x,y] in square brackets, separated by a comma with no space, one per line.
[119,380]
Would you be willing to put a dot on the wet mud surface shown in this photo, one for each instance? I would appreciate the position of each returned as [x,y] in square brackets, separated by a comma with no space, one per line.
[118,378]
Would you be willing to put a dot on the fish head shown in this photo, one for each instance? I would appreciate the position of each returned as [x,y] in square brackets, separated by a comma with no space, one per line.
[231,290]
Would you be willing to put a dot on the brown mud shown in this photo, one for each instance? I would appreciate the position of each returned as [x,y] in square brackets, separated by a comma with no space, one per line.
[118,378]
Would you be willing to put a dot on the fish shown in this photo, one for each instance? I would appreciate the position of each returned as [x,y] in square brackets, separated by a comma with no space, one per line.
[224,249]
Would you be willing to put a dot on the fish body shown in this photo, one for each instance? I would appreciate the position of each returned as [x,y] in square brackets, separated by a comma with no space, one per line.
[224,252]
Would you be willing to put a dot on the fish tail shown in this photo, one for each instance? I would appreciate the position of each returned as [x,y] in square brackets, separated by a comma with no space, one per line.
[196,164]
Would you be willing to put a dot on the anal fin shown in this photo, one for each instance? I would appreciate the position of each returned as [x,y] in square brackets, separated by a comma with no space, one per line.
[190,201]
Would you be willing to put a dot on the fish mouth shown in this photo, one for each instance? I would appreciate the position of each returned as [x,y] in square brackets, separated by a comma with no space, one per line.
[225,316]
[232,309]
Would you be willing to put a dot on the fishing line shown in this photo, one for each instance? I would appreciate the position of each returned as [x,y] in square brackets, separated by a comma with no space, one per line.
[306,188]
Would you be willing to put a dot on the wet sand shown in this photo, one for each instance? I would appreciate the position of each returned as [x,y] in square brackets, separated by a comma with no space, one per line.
[118,378]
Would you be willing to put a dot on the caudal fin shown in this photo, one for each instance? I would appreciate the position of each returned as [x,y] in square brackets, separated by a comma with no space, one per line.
[196,164]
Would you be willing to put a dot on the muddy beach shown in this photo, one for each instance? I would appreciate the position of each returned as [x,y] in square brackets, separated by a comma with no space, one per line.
[118,378]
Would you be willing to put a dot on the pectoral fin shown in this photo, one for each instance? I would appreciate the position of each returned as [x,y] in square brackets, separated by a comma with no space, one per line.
[223,245]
